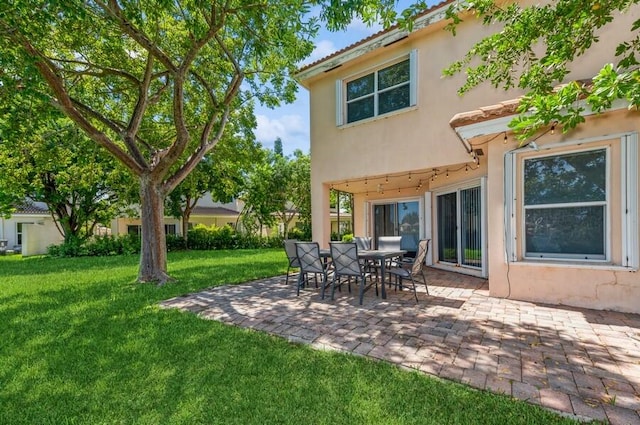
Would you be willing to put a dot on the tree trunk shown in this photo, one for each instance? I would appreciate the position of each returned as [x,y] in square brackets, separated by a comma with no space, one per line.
[153,254]
[186,214]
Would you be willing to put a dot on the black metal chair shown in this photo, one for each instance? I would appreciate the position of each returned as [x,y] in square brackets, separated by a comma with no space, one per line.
[292,256]
[344,256]
[363,242]
[413,269]
[310,264]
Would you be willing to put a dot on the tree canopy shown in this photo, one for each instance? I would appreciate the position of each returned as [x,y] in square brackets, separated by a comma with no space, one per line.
[278,190]
[534,51]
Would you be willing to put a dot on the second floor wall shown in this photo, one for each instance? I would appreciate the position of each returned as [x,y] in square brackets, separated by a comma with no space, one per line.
[418,135]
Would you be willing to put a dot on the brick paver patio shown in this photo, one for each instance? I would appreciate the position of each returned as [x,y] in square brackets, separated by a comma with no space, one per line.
[577,361]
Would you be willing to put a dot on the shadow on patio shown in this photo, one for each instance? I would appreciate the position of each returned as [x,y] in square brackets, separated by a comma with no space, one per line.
[577,361]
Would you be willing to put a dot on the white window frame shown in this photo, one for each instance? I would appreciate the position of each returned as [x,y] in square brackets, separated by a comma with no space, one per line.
[19,233]
[341,89]
[606,204]
[483,270]
[629,208]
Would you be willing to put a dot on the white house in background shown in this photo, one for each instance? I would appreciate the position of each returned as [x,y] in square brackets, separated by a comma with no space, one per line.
[30,230]
[207,212]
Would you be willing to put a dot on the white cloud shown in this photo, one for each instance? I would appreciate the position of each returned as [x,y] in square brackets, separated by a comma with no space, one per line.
[292,129]
[323,48]
[365,30]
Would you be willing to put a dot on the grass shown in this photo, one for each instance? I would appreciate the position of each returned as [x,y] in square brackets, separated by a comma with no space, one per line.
[81,343]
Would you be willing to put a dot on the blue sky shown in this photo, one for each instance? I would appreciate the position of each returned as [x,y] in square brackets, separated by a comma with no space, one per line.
[291,122]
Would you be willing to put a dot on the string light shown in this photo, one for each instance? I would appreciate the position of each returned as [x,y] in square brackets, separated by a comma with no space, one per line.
[409,176]
[431,174]
[504,141]
[553,127]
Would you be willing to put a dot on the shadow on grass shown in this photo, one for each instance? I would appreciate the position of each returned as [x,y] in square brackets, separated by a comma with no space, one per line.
[99,350]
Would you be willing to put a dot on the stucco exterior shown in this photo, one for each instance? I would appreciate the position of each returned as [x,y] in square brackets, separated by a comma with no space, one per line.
[30,230]
[413,155]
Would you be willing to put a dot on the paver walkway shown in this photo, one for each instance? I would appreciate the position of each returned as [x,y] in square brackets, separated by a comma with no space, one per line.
[577,361]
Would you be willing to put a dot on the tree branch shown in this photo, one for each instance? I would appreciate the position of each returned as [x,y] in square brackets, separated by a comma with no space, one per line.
[53,80]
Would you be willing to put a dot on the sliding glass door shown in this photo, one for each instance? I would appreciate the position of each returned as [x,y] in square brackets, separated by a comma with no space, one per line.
[460,230]
[398,219]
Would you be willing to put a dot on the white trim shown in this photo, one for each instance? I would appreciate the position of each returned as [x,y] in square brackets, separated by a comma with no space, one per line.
[485,226]
[342,118]
[413,77]
[606,256]
[629,196]
[428,225]
[456,188]
[339,103]
[510,207]
[573,265]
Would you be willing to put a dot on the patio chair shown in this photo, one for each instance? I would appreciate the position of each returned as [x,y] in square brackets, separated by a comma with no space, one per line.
[411,270]
[292,256]
[363,242]
[390,243]
[311,264]
[344,256]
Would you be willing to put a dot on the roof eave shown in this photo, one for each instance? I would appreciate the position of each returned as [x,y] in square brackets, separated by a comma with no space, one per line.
[381,39]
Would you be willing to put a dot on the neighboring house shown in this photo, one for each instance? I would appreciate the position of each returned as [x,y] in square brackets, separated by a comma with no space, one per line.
[30,230]
[206,212]
[554,222]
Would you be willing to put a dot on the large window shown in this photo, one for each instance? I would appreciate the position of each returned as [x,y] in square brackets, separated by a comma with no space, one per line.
[387,89]
[565,205]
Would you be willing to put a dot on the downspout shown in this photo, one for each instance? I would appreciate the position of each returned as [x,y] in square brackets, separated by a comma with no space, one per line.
[467,145]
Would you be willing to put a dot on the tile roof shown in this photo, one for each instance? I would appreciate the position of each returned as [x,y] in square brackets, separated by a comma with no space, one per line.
[31,209]
[372,37]
[485,113]
[501,109]
[214,211]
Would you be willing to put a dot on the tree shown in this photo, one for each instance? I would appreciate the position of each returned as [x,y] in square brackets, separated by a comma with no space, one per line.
[277,147]
[154,83]
[45,158]
[278,190]
[566,30]
[221,173]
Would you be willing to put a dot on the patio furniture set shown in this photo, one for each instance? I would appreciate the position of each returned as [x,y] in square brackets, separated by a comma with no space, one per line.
[356,261]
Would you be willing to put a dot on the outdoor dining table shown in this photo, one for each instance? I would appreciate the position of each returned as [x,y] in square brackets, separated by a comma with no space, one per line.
[373,255]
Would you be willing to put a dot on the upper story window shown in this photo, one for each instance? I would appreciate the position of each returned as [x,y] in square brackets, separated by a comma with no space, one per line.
[565,205]
[389,88]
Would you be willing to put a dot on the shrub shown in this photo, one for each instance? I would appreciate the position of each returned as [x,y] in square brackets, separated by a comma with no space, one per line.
[201,237]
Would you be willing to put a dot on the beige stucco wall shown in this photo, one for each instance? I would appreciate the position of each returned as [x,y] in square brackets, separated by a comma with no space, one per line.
[119,225]
[37,236]
[593,285]
[420,138]
[414,138]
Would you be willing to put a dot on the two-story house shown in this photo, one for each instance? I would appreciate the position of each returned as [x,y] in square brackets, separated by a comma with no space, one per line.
[553,222]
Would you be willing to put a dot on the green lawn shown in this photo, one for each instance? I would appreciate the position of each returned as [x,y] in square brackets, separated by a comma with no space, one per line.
[81,343]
